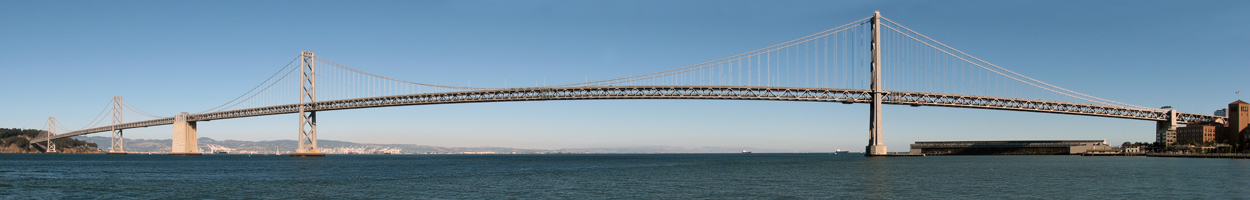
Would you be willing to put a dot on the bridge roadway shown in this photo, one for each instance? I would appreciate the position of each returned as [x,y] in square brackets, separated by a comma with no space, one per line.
[684,92]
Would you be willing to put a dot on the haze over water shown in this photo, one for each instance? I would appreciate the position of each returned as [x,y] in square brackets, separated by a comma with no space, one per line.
[629,176]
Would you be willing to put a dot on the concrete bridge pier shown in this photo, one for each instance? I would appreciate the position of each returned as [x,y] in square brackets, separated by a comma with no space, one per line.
[185,143]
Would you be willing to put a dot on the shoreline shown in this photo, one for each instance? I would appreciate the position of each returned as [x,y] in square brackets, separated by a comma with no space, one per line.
[1202,155]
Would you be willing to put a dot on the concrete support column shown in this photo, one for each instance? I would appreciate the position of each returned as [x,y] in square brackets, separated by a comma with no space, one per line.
[185,142]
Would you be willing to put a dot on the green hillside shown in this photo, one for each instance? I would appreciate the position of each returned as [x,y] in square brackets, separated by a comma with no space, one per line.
[14,140]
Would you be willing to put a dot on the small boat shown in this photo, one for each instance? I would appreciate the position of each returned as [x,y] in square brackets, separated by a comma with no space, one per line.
[745,151]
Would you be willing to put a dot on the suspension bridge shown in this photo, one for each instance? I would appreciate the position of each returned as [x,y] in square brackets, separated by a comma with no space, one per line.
[873,60]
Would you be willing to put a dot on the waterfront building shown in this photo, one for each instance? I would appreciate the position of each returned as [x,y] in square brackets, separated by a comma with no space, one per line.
[1132,149]
[1234,131]
[1010,147]
[1165,131]
[1165,137]
[1196,133]
[1238,121]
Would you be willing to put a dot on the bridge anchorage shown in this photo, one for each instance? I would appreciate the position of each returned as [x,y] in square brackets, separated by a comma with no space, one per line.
[872,60]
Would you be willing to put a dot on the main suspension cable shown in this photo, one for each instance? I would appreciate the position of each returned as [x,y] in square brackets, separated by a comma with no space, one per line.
[756,52]
[132,108]
[717,62]
[288,64]
[997,72]
[1009,71]
[332,63]
[98,117]
[288,73]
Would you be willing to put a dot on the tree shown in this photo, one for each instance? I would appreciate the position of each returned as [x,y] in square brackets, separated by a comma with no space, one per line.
[21,138]
[20,141]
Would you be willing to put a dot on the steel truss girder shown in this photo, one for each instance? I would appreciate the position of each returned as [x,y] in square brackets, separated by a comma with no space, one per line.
[689,92]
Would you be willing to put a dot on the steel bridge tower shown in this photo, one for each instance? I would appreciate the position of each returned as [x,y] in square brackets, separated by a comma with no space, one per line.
[307,116]
[118,142]
[49,146]
[875,145]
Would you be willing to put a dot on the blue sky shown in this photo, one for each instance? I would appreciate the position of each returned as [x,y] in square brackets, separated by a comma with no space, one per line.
[68,58]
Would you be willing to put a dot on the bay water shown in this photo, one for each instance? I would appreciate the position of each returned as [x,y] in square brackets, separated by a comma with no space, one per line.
[618,176]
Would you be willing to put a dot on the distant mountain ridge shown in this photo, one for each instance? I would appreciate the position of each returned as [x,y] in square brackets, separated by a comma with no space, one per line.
[273,146]
[664,149]
[335,146]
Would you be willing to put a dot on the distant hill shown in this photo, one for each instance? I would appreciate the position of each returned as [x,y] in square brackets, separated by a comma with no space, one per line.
[335,146]
[665,149]
[270,146]
[14,140]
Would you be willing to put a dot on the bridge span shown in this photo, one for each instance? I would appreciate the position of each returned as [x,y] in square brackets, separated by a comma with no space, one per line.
[873,60]
[831,95]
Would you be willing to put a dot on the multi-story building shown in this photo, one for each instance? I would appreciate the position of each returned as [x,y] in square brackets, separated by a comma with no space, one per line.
[1236,128]
[1234,131]
[1166,133]
[1197,133]
[1165,137]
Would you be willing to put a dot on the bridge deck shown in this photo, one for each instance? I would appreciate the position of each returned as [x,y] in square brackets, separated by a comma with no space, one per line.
[684,92]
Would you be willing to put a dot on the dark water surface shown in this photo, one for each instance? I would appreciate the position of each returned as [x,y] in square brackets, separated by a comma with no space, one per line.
[623,176]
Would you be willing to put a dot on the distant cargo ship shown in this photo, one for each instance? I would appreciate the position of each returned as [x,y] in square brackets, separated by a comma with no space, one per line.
[841,151]
[745,151]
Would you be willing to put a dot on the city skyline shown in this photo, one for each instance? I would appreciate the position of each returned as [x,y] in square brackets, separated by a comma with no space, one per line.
[171,57]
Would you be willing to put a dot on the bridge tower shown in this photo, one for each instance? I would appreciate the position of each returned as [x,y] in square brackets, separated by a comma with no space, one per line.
[184,140]
[118,143]
[49,146]
[307,116]
[875,145]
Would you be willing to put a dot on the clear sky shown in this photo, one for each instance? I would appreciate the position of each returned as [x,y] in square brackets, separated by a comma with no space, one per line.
[68,58]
